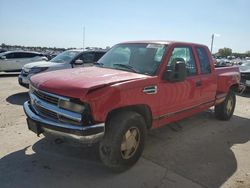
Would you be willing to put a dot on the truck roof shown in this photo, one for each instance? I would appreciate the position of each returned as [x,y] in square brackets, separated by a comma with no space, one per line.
[166,42]
[87,50]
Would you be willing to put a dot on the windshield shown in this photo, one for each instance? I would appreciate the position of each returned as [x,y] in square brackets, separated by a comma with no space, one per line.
[140,58]
[65,57]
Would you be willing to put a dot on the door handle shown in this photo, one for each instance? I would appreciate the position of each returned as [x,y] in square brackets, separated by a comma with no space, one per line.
[198,83]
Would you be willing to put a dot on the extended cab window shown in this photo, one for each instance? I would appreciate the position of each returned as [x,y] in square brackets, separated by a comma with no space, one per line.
[185,54]
[204,60]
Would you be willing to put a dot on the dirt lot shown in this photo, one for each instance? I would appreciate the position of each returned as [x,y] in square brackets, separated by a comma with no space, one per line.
[196,152]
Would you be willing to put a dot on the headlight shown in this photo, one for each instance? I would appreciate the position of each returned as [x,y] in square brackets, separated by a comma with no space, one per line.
[24,69]
[68,105]
[35,70]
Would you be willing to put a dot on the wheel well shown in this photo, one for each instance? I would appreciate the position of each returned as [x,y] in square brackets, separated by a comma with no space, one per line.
[235,87]
[143,110]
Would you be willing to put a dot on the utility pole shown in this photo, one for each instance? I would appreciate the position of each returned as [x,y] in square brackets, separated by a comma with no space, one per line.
[212,43]
[83,41]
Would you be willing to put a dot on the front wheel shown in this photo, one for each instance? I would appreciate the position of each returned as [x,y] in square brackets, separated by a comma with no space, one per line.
[123,141]
[225,110]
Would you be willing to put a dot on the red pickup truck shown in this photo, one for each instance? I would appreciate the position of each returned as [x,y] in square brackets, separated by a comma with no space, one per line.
[135,86]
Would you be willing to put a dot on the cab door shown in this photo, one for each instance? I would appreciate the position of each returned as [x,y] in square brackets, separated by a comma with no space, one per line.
[178,97]
[208,78]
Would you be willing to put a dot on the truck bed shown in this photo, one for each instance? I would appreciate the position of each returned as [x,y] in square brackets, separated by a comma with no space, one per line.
[226,76]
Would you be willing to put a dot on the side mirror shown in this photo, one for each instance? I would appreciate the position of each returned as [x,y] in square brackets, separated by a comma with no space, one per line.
[44,58]
[3,57]
[78,62]
[177,72]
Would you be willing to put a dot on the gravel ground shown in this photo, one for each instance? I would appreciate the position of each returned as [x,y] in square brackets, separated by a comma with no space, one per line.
[197,152]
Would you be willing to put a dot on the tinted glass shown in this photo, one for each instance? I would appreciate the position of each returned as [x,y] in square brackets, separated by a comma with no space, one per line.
[88,57]
[98,55]
[204,60]
[21,55]
[18,55]
[30,55]
[9,56]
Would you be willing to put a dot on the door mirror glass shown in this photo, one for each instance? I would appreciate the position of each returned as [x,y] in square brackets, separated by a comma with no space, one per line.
[176,72]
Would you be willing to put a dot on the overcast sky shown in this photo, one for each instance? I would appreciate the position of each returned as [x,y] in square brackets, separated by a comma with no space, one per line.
[60,23]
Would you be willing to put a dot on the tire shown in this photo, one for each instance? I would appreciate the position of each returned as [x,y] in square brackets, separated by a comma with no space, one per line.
[124,140]
[225,110]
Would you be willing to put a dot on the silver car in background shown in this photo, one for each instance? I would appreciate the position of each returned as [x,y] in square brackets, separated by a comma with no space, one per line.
[65,60]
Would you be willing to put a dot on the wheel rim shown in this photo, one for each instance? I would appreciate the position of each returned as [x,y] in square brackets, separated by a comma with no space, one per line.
[130,142]
[229,106]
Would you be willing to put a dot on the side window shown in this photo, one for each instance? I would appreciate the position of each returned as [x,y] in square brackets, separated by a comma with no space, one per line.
[98,55]
[9,56]
[186,54]
[203,60]
[19,55]
[30,55]
[88,57]
[27,55]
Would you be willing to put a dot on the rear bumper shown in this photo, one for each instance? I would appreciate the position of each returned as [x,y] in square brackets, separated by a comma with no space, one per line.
[42,125]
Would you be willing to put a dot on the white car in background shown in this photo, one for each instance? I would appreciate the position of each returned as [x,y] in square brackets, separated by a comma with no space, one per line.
[13,61]
[245,73]
[65,60]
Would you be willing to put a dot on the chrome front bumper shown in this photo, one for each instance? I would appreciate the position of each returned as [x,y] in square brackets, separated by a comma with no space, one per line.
[83,134]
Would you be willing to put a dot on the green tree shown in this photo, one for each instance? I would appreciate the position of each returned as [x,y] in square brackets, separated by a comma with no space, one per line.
[3,45]
[224,52]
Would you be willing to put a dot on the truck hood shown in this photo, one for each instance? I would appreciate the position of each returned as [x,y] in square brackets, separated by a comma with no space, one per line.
[79,81]
[39,64]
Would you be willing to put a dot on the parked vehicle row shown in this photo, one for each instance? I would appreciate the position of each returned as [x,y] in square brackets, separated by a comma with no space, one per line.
[134,87]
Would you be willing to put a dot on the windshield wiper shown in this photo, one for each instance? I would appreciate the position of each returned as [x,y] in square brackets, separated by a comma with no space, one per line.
[127,67]
[100,64]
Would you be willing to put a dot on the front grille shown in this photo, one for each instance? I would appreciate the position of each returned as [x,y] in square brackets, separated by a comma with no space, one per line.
[45,97]
[46,105]
[45,112]
[67,120]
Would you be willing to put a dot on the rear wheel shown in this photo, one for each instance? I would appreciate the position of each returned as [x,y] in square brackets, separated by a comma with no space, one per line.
[225,110]
[123,141]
